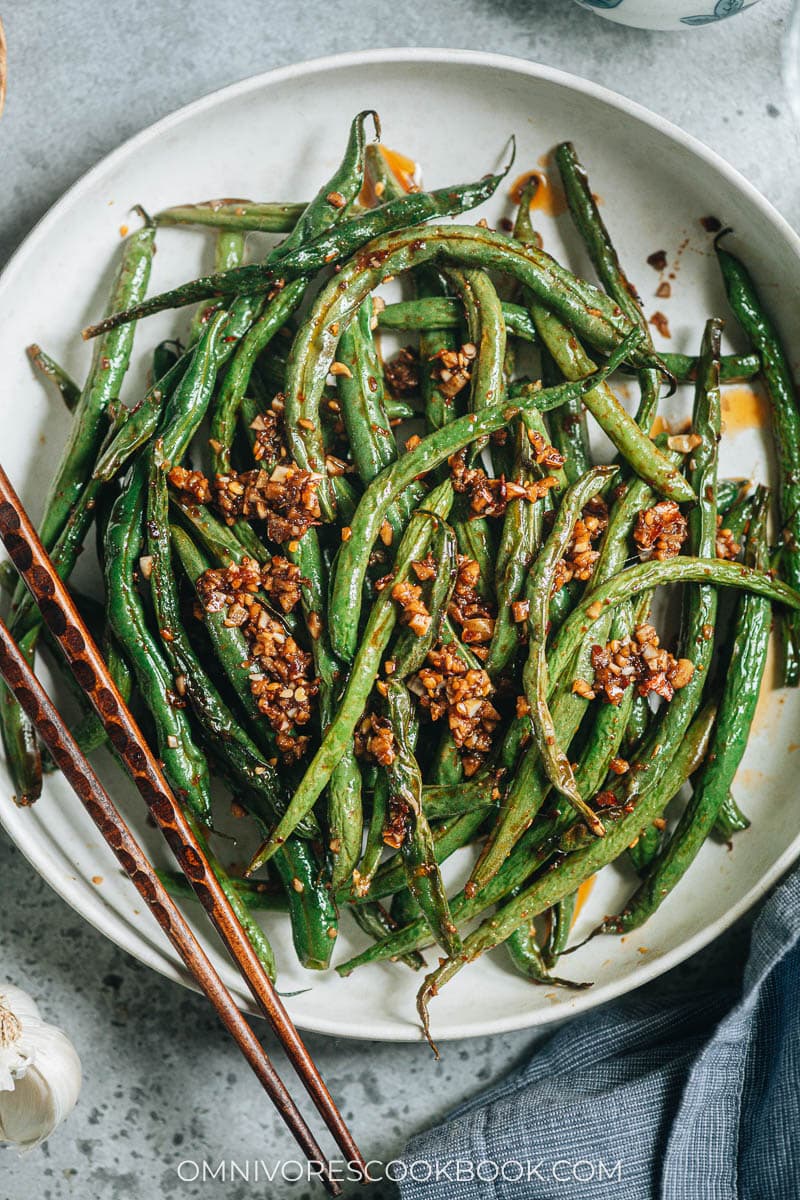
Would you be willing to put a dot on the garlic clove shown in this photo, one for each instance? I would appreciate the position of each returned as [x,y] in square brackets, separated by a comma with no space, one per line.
[40,1072]
[16,1007]
[18,1002]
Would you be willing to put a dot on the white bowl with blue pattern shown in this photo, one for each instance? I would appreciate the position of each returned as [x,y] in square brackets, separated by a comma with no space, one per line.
[667,14]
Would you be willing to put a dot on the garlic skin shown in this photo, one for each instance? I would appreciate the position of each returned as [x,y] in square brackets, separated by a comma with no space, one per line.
[40,1072]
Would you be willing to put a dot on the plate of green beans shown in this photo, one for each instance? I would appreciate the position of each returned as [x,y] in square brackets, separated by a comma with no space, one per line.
[437,509]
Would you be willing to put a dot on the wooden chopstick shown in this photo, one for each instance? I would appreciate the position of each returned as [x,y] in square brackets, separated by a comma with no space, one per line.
[89,668]
[79,774]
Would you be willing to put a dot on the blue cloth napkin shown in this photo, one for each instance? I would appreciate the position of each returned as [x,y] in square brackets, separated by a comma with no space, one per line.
[674,1097]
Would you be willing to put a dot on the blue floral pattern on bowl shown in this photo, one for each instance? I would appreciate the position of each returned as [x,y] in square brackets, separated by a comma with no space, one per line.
[722,9]
[667,14]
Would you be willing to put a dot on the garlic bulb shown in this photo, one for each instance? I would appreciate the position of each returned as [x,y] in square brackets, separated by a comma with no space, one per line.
[40,1072]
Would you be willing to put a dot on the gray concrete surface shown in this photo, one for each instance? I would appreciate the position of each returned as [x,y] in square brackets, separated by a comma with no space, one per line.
[162,1083]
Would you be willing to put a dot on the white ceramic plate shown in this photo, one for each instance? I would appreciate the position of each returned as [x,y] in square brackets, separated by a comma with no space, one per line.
[277,136]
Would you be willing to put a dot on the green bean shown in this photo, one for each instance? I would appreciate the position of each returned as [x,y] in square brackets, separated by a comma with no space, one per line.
[345,814]
[372,445]
[307,370]
[534,849]
[67,388]
[141,424]
[613,554]
[315,219]
[345,818]
[383,491]
[637,724]
[225,412]
[328,247]
[235,215]
[447,768]
[535,673]
[426,283]
[519,540]
[437,312]
[631,441]
[741,686]
[645,848]
[259,897]
[728,492]
[363,408]
[228,253]
[218,540]
[734,368]
[312,913]
[586,215]
[165,355]
[487,332]
[575,868]
[90,732]
[345,808]
[779,384]
[403,908]
[69,543]
[423,878]
[468,814]
[447,800]
[590,225]
[399,410]
[411,649]
[377,922]
[255,934]
[464,906]
[364,874]
[187,405]
[23,756]
[313,597]
[438,405]
[376,636]
[184,765]
[532,962]
[730,819]
[561,917]
[337,194]
[569,430]
[109,365]
[738,515]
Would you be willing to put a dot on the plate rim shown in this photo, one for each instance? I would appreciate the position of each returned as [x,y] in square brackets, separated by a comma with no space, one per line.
[112,923]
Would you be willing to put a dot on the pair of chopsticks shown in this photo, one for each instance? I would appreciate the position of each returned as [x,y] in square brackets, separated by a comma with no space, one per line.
[87,665]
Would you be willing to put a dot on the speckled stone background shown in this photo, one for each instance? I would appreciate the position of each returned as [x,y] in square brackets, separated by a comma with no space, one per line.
[162,1083]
